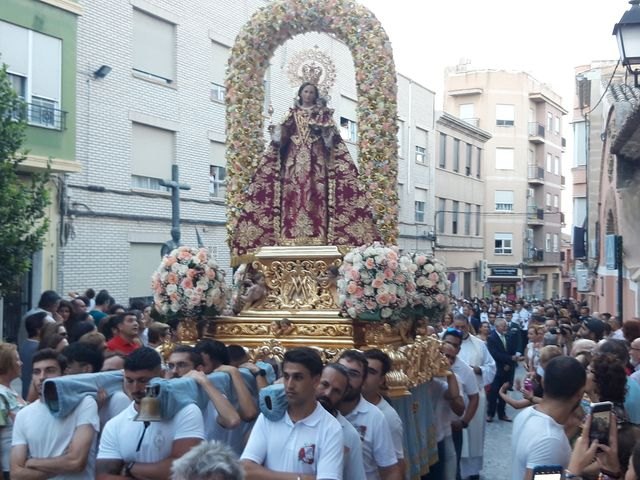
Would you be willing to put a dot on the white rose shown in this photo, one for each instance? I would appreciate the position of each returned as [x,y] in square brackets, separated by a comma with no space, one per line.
[429,268]
[352,312]
[369,291]
[386,312]
[171,288]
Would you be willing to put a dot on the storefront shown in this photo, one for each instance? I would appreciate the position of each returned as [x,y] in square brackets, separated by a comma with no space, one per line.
[504,282]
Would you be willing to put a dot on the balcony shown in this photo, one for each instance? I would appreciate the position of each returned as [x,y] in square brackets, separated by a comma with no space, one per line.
[536,132]
[535,215]
[535,174]
[473,121]
[42,115]
[535,255]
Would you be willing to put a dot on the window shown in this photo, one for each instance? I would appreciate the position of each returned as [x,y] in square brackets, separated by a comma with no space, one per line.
[556,166]
[556,201]
[548,200]
[142,260]
[442,207]
[456,155]
[217,170]
[556,124]
[469,153]
[505,115]
[504,200]
[152,154]
[555,243]
[154,41]
[547,242]
[422,141]
[479,160]
[477,220]
[466,112]
[34,67]
[348,129]
[442,161]
[549,163]
[579,144]
[549,122]
[219,58]
[419,209]
[504,158]
[419,205]
[503,243]
[454,217]
[467,219]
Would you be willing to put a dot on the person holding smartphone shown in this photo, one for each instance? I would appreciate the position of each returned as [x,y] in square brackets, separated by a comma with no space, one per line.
[538,436]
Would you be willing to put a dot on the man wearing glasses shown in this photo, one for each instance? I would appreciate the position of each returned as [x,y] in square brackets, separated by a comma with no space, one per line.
[468,387]
[634,357]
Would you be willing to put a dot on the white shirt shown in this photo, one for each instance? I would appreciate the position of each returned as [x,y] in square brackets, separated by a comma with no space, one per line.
[353,466]
[374,431]
[311,446]
[115,404]
[122,434]
[442,413]
[466,379]
[537,439]
[47,436]
[395,425]
[475,352]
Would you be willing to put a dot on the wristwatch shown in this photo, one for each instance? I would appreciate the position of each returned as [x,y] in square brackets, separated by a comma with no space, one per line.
[260,373]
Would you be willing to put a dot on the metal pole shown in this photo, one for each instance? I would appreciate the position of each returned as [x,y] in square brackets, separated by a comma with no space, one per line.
[620,279]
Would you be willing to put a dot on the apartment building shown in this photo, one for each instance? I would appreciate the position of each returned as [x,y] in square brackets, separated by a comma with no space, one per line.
[459,205]
[38,46]
[523,179]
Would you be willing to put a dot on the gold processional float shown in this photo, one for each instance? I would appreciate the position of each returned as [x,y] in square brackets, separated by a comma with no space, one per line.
[305,283]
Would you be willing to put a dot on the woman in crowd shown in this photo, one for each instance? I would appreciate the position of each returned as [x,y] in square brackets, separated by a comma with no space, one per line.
[10,400]
[53,335]
[532,350]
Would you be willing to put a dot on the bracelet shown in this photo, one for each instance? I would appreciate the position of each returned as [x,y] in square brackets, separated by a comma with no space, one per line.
[128,468]
[568,475]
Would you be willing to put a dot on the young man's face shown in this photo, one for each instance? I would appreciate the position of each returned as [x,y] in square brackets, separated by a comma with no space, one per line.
[135,383]
[375,378]
[299,385]
[42,370]
[356,377]
[129,326]
[179,364]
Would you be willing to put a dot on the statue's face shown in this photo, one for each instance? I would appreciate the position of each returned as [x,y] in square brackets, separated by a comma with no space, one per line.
[308,95]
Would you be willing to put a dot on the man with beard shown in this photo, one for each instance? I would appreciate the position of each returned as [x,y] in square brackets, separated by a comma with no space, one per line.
[334,383]
[380,460]
[475,353]
[538,436]
[145,449]
[307,441]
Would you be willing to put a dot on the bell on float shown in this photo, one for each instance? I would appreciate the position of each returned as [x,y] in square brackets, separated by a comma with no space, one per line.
[150,405]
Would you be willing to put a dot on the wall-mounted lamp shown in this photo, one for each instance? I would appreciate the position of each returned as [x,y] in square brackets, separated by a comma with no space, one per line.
[627,32]
[102,72]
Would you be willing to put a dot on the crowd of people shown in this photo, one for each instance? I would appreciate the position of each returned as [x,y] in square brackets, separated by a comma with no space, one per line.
[552,361]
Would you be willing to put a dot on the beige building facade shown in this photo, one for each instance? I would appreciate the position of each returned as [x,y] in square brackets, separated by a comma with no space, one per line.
[523,180]
[460,198]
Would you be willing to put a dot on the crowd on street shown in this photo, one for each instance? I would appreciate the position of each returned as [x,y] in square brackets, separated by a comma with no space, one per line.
[578,402]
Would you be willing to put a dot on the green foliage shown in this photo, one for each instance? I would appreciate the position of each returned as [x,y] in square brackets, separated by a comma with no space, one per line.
[23,197]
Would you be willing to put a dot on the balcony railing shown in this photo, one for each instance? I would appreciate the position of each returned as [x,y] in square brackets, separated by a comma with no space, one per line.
[536,129]
[473,121]
[536,255]
[535,215]
[535,173]
[42,116]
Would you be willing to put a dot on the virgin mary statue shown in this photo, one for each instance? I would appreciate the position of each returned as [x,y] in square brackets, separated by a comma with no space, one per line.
[305,190]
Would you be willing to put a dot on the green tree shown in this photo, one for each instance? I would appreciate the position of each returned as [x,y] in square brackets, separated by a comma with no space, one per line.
[23,197]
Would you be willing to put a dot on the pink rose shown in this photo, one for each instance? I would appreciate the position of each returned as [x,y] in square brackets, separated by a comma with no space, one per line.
[168,261]
[371,305]
[377,282]
[354,275]
[186,283]
[433,276]
[383,298]
[421,260]
[172,278]
[352,287]
[370,263]
[388,274]
[359,292]
[191,273]
[393,264]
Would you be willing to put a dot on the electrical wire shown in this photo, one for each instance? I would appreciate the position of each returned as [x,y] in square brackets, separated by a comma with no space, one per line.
[606,88]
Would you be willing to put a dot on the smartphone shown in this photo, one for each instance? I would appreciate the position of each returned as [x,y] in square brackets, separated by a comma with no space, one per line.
[547,472]
[600,419]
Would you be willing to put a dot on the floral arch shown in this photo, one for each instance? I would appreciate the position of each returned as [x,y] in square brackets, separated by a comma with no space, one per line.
[360,30]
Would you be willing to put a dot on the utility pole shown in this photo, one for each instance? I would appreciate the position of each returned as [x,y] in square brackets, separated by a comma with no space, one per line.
[175,186]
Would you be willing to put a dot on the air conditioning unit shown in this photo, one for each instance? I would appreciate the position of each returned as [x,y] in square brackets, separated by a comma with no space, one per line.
[482,270]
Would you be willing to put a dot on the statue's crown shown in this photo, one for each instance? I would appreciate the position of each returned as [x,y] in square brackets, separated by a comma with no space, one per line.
[312,72]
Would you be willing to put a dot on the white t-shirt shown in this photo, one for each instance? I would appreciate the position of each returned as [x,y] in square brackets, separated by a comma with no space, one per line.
[374,431]
[311,446]
[116,403]
[353,466]
[467,382]
[442,413]
[122,434]
[47,436]
[537,439]
[395,425]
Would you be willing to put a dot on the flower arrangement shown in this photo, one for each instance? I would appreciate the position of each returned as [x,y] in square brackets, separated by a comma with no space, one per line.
[432,286]
[354,24]
[189,282]
[375,283]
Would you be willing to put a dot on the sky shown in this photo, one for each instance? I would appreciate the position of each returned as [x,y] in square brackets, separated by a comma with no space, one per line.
[546,38]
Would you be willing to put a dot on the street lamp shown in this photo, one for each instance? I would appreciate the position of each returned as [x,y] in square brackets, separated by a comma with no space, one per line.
[627,32]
